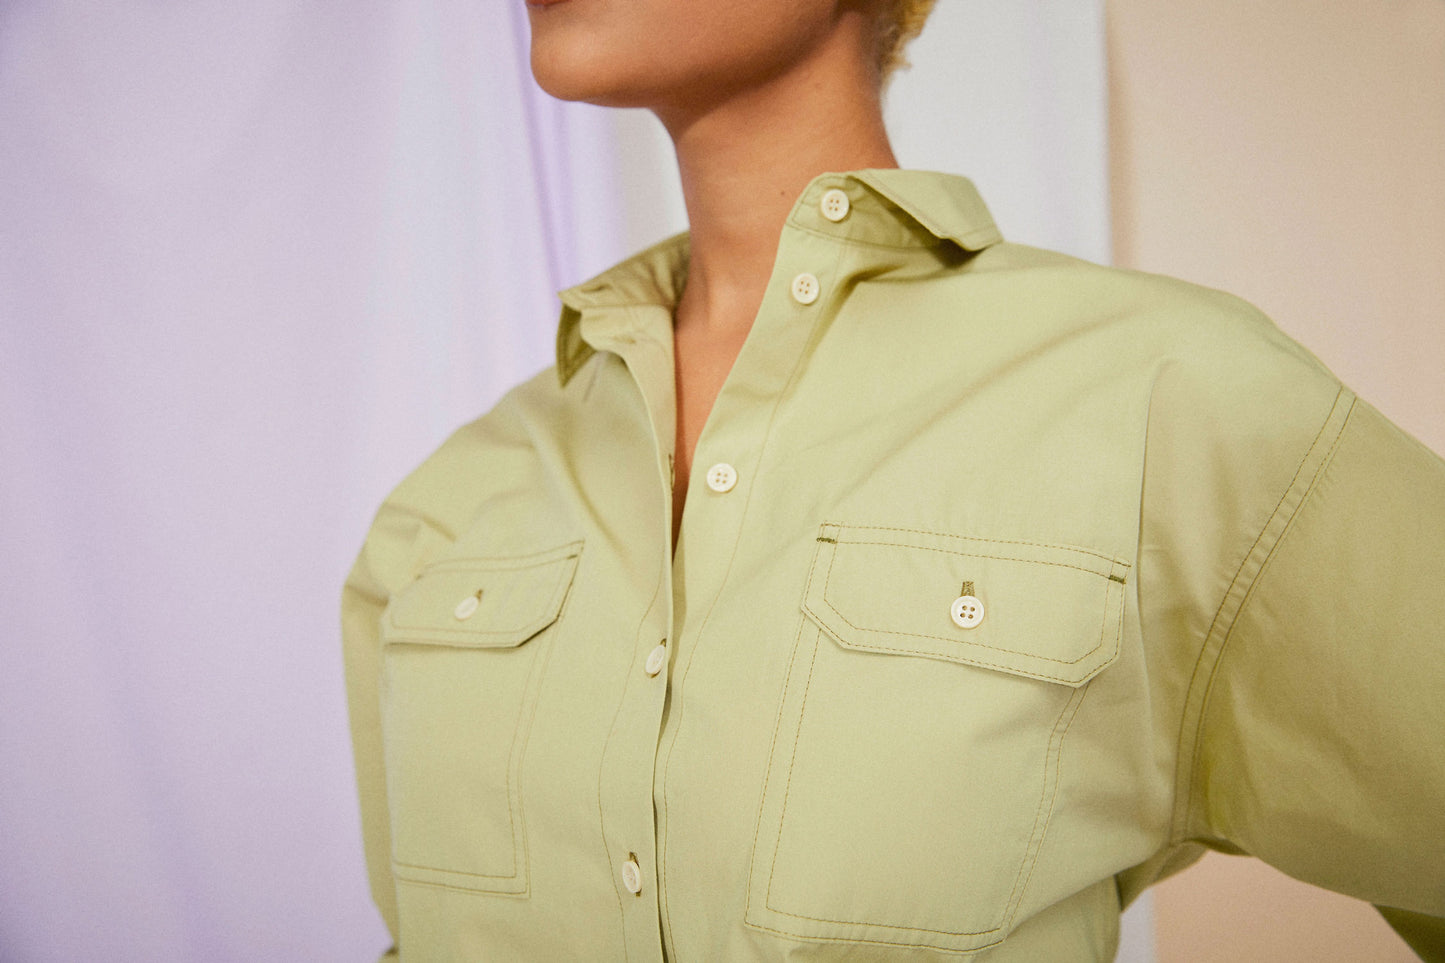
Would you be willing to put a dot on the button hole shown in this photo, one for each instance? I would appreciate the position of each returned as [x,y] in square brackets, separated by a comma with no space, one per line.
[1117,578]
[830,541]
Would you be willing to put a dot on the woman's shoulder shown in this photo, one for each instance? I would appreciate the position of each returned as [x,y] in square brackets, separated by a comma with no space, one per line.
[437,499]
[1217,340]
[486,445]
[1175,306]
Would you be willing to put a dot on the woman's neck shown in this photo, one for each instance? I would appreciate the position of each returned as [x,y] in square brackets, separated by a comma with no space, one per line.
[745,159]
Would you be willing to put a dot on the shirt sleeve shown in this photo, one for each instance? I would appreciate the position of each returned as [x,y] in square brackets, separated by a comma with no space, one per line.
[396,548]
[1320,744]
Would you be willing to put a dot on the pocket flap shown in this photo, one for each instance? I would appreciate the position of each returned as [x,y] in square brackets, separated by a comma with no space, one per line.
[483,602]
[1050,612]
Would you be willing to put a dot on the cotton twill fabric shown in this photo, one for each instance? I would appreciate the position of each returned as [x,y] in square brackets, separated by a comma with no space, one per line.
[1210,577]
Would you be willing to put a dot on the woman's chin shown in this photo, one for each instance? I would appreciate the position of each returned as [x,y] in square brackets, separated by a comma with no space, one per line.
[578,79]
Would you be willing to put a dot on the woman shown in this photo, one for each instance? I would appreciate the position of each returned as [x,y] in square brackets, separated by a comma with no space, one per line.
[1008,582]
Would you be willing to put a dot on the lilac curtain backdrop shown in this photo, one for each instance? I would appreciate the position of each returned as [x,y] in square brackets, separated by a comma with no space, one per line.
[256,260]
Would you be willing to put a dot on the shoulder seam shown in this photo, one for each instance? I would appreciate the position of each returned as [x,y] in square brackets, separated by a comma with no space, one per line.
[1241,588]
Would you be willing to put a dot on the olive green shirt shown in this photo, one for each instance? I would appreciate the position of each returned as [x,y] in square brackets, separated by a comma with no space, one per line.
[1006,584]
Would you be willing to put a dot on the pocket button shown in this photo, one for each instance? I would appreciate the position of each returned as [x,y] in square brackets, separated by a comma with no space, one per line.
[466,608]
[967,611]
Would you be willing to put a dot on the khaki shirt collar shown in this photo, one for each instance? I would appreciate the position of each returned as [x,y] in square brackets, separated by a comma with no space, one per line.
[896,208]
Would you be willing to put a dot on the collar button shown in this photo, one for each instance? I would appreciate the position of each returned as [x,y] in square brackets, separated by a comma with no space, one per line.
[835,205]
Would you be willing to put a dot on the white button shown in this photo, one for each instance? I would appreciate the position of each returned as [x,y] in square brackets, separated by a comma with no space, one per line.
[805,288]
[967,611]
[834,205]
[722,477]
[655,659]
[632,876]
[466,607]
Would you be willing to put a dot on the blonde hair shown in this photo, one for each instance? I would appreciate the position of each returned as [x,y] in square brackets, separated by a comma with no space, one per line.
[902,21]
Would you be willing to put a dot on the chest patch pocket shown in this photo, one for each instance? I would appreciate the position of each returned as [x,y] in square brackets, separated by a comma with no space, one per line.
[463,649]
[916,755]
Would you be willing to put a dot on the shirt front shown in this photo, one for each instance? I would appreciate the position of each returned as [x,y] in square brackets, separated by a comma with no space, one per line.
[1006,584]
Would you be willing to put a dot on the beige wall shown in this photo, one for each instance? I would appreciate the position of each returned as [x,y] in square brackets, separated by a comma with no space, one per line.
[1292,152]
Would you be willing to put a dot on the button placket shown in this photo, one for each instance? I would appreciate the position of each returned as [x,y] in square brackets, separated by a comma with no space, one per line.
[798,249]
[736,443]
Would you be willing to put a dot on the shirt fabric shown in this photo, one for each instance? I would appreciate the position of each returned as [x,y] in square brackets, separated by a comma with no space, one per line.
[1007,583]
